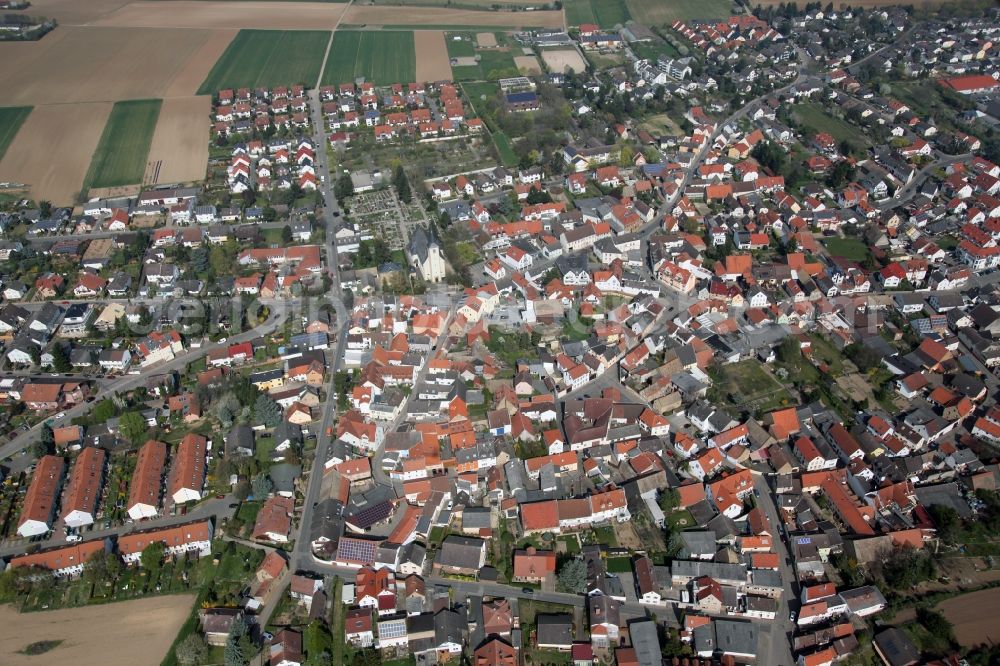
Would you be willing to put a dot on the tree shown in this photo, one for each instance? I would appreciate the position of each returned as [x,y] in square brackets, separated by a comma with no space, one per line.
[133,426]
[573,577]
[286,234]
[239,648]
[242,490]
[192,651]
[104,410]
[267,411]
[401,184]
[669,500]
[269,214]
[60,362]
[343,188]
[946,520]
[36,355]
[46,436]
[261,486]
[152,557]
[200,260]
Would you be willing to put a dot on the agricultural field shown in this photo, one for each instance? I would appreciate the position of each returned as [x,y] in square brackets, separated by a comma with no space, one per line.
[129,633]
[665,12]
[120,157]
[972,616]
[268,58]
[179,150]
[380,57]
[86,64]
[605,13]
[11,119]
[70,131]
[432,56]
[445,18]
[225,15]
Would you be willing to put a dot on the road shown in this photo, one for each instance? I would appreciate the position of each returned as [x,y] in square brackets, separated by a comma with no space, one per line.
[213,507]
[129,382]
[781,627]
[909,190]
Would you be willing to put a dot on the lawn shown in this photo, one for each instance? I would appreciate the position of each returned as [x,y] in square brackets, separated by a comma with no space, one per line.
[268,58]
[653,50]
[379,57]
[680,520]
[120,158]
[619,565]
[747,384]
[493,64]
[814,116]
[11,118]
[665,12]
[849,248]
[605,13]
[460,48]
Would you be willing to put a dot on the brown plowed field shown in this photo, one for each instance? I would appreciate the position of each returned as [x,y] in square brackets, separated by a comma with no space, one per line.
[129,633]
[96,64]
[197,67]
[179,150]
[372,16]
[432,55]
[225,15]
[51,152]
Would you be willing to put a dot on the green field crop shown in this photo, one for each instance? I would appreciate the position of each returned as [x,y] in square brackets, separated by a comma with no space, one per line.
[665,12]
[380,57]
[11,119]
[268,58]
[605,13]
[120,157]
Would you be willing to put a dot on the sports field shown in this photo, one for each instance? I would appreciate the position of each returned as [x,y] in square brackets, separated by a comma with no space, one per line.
[605,13]
[380,57]
[11,118]
[665,12]
[120,157]
[269,58]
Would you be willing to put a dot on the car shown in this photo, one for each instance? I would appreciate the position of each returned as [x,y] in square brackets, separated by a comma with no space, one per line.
[527,590]
[756,493]
[336,213]
[220,496]
[234,505]
[222,341]
[73,538]
[791,616]
[58,416]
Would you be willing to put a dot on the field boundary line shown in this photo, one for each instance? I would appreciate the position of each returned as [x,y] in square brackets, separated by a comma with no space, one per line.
[329,43]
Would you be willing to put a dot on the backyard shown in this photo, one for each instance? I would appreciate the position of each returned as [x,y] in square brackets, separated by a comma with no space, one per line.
[748,385]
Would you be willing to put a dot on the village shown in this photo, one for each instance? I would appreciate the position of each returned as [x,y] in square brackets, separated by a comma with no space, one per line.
[690,356]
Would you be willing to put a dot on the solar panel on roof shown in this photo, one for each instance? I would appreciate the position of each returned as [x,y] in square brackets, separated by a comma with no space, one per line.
[394,629]
[357,550]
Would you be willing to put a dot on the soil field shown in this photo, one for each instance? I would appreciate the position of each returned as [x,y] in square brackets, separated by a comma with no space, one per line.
[179,151]
[69,131]
[380,57]
[558,61]
[11,119]
[486,40]
[434,16]
[527,64]
[130,633]
[75,12]
[432,56]
[973,616]
[224,15]
[665,12]
[95,64]
[201,62]
[268,58]
[120,158]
